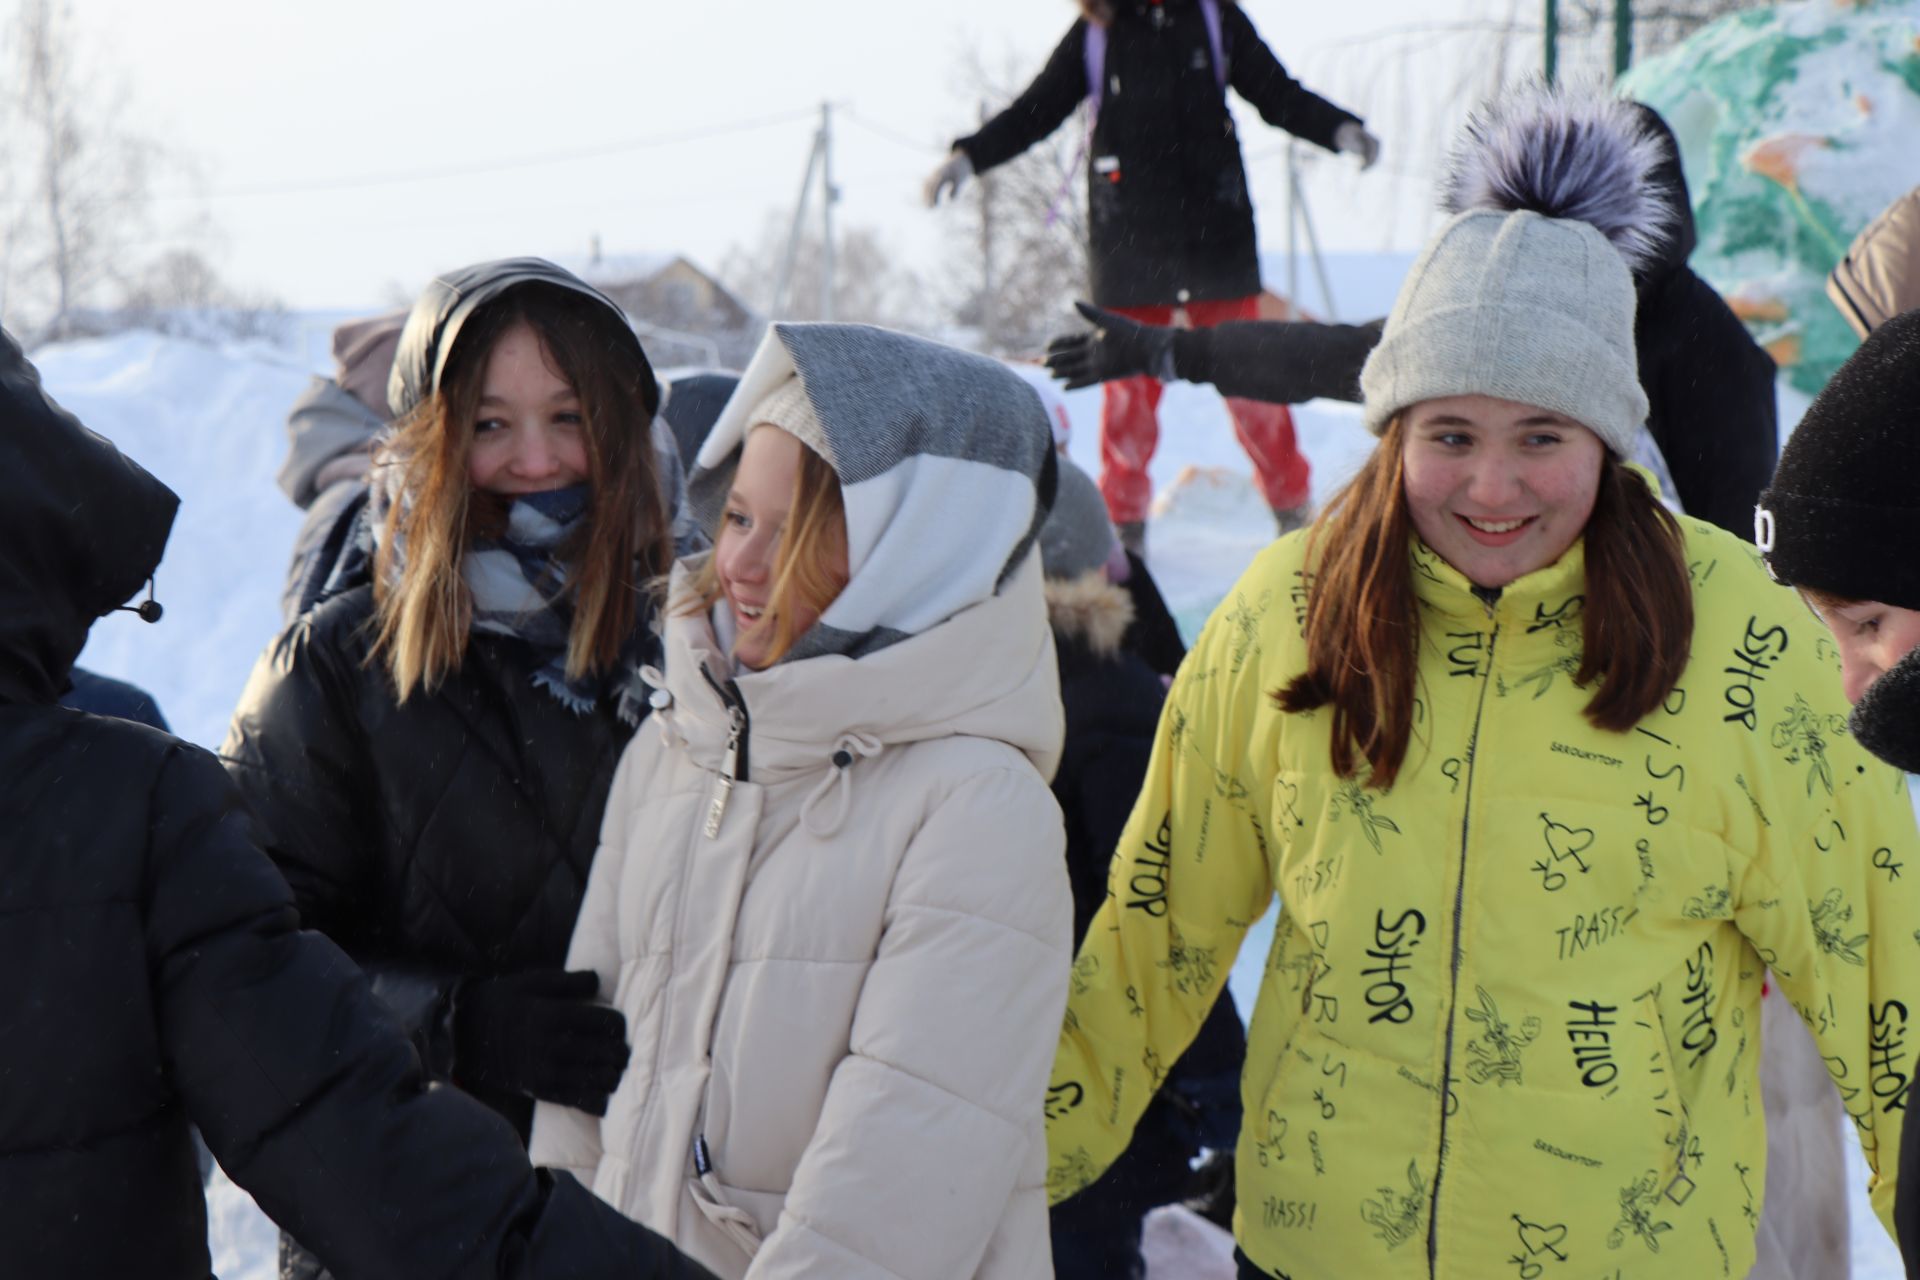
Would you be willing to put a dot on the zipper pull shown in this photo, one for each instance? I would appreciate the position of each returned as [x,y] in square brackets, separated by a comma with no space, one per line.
[729,765]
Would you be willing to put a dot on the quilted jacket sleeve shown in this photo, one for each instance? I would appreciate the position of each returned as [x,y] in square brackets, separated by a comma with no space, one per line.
[1830,894]
[296,750]
[302,1085]
[1188,879]
[1832,903]
[930,1120]
[309,1095]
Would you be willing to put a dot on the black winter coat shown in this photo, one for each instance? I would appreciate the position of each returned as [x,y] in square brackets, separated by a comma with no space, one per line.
[158,975]
[1168,213]
[444,838]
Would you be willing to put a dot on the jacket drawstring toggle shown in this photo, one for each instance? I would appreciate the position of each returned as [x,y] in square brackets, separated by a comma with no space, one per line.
[729,770]
[848,748]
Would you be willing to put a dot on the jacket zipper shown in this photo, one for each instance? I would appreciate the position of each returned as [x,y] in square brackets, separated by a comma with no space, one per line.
[733,765]
[1453,976]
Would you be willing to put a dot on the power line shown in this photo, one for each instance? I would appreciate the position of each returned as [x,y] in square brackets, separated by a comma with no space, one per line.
[494,166]
[883,131]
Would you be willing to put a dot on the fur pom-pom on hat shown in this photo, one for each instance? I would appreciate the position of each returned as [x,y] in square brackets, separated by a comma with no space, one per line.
[1518,296]
[1565,154]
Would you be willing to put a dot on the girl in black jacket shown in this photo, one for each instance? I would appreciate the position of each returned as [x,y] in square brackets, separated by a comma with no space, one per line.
[429,752]
[1170,223]
[158,975]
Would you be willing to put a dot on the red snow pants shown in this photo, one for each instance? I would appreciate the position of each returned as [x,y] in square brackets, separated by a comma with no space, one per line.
[1130,426]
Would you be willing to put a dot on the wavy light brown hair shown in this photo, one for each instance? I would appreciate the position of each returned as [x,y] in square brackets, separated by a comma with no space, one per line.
[1363,618]
[805,570]
[421,618]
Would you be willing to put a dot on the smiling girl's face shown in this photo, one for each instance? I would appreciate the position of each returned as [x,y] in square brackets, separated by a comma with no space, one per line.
[749,550]
[1498,489]
[529,435]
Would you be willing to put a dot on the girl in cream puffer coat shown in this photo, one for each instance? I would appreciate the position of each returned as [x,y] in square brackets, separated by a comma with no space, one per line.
[830,896]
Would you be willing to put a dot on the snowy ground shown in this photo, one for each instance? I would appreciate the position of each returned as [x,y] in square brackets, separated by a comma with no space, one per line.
[210,421]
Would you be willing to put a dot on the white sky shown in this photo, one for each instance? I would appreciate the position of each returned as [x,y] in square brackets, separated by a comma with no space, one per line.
[347,152]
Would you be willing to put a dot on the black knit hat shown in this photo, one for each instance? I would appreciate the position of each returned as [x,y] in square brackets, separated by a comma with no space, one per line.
[1843,512]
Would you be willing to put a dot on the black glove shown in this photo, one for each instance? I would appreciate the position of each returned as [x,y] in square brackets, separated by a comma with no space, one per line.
[1115,347]
[539,1033]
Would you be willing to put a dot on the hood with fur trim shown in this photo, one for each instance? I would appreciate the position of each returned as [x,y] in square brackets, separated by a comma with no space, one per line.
[1090,610]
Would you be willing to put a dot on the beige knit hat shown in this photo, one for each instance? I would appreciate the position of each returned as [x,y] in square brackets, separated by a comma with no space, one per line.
[788,408]
[1519,306]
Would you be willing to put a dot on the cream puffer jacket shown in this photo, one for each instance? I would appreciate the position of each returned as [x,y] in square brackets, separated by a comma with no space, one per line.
[843,973]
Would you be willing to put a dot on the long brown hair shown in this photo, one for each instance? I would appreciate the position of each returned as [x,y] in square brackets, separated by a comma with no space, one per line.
[421,617]
[1363,619]
[805,570]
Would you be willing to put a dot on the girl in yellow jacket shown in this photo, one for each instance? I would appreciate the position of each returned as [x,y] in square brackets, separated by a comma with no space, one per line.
[1547,783]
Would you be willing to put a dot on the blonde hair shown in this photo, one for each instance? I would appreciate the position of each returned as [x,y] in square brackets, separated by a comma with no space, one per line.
[422,606]
[806,577]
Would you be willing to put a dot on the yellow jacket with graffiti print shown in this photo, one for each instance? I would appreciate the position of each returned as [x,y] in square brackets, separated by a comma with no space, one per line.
[1509,1022]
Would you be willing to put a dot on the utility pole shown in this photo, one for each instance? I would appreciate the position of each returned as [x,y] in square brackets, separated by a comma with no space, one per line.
[828,194]
[1553,39]
[785,276]
[1622,36]
[819,160]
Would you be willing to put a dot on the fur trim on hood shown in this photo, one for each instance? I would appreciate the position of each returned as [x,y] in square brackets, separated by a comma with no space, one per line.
[1091,610]
[1566,154]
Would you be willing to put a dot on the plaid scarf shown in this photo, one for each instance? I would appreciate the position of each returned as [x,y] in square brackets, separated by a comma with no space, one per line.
[517,581]
[518,584]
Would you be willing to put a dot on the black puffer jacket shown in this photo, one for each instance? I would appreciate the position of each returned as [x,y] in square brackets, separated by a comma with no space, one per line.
[444,838]
[159,976]
[1168,212]
[448,837]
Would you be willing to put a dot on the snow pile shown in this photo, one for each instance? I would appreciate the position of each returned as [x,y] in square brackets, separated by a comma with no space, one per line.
[1796,125]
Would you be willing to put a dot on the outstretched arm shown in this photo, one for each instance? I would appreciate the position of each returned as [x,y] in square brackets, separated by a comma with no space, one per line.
[1285,362]
[1282,101]
[309,1094]
[1038,111]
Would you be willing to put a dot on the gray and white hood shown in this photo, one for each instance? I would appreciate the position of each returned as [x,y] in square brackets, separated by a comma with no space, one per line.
[946,465]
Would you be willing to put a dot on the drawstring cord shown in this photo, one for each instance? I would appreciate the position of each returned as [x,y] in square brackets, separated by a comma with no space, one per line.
[661,700]
[846,749]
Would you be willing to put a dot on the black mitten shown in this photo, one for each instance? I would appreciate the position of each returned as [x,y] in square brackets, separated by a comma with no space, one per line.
[539,1033]
[1115,347]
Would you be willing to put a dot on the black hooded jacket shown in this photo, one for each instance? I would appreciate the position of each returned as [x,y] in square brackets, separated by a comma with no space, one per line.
[158,976]
[446,837]
[1710,388]
[1169,219]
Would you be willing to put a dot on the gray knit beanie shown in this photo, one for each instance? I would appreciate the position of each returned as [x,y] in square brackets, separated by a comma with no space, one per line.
[1527,293]
[1521,307]
[1077,537]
